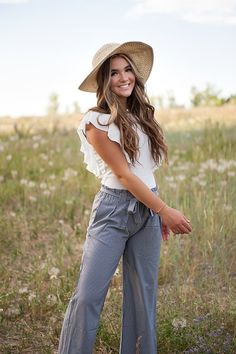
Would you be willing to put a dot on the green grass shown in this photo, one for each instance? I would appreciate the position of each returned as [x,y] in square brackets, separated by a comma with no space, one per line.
[45,200]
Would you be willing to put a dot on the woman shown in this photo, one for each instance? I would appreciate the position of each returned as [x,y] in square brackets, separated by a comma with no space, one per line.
[123,145]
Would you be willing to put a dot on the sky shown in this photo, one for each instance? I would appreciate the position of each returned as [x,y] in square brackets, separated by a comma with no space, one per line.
[47,46]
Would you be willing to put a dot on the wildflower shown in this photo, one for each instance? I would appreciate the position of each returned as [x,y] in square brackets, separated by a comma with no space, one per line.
[51,299]
[1,148]
[23,290]
[13,138]
[35,146]
[36,137]
[1,178]
[68,202]
[52,176]
[12,311]
[179,323]
[23,181]
[50,163]
[173,185]
[32,198]
[13,214]
[43,185]
[44,157]
[52,188]
[46,192]
[69,173]
[9,157]
[32,296]
[180,177]
[31,184]
[227,207]
[231,173]
[14,173]
[202,183]
[54,272]
[86,212]
[169,178]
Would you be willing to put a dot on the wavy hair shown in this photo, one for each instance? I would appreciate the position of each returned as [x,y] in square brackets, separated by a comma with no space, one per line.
[138,108]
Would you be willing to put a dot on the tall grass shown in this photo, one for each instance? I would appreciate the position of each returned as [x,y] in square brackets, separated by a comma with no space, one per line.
[45,200]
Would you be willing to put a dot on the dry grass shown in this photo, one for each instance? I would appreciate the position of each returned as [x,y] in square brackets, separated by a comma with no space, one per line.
[45,199]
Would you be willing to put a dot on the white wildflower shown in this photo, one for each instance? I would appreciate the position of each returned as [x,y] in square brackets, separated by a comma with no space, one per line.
[35,146]
[13,214]
[227,207]
[54,272]
[68,173]
[43,185]
[32,198]
[169,178]
[68,202]
[52,176]
[87,212]
[14,173]
[31,184]
[12,311]
[36,137]
[231,173]
[23,290]
[202,183]
[32,296]
[46,192]
[179,323]
[1,178]
[23,181]
[52,188]
[50,163]
[9,157]
[44,157]
[180,177]
[51,299]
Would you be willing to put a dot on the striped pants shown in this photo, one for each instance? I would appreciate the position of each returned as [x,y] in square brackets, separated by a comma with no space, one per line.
[119,226]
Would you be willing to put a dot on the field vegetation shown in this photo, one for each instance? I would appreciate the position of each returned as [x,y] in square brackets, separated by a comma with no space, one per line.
[45,200]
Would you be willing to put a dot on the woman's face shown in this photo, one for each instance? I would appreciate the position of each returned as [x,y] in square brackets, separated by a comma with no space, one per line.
[122,78]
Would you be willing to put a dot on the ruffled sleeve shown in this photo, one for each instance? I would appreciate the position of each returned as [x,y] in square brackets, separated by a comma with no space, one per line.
[93,161]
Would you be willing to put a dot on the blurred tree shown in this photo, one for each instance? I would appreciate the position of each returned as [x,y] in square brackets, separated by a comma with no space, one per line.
[156,101]
[207,97]
[171,101]
[53,105]
[76,107]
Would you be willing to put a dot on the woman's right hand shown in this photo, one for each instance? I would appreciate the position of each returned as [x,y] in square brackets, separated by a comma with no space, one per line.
[175,220]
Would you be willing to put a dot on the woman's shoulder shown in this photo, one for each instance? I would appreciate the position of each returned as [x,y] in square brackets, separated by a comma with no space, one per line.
[96,117]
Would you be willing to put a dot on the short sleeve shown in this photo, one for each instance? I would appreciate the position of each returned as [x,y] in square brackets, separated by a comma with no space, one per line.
[93,161]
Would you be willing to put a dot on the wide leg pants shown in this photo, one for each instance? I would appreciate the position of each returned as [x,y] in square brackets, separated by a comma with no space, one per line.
[119,225]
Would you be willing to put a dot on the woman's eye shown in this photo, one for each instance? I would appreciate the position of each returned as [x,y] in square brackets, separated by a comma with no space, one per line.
[129,69]
[113,73]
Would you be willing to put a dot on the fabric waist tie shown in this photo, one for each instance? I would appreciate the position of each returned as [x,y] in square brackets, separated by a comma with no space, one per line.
[133,208]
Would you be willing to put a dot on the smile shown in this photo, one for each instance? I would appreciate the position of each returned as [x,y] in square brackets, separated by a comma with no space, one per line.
[124,86]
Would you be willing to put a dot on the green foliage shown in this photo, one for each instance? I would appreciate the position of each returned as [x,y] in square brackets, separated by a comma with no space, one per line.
[209,97]
[53,104]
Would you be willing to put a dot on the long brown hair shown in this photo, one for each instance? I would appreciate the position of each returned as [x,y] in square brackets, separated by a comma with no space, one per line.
[138,106]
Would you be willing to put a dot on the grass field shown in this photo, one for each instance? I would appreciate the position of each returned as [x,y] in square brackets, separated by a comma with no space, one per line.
[45,200]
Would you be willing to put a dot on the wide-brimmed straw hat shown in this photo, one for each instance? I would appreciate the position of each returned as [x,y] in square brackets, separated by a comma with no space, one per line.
[140,53]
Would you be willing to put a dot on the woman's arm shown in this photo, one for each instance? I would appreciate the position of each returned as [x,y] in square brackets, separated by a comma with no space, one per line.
[112,155]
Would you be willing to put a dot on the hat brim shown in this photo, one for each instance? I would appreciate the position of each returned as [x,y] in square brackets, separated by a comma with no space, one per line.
[140,53]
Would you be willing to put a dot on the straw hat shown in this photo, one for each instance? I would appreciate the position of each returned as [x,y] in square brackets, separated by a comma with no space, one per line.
[140,53]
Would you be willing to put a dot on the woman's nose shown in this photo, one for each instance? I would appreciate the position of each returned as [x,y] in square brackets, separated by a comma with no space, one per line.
[123,76]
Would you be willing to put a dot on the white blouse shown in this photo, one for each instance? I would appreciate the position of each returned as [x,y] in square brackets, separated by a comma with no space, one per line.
[143,168]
